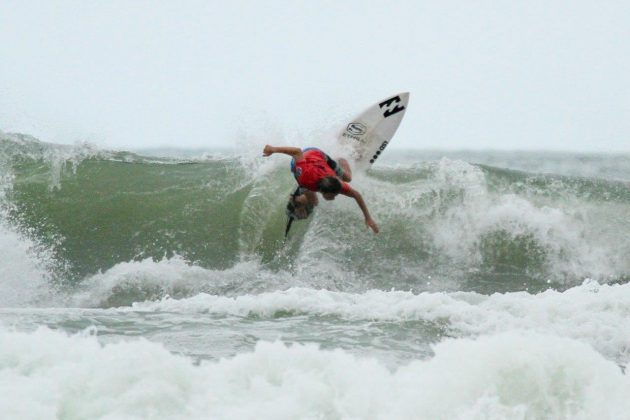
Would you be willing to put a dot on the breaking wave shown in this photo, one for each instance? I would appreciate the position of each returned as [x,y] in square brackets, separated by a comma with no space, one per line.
[446,224]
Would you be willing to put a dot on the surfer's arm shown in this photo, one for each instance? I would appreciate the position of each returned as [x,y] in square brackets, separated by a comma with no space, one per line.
[294,152]
[359,199]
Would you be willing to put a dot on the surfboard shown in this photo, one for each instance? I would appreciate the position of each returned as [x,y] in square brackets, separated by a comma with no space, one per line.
[368,134]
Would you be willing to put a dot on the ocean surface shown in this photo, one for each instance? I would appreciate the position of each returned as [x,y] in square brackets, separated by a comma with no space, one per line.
[158,285]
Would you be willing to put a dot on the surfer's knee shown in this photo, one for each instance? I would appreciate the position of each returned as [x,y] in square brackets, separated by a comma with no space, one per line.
[347,172]
[329,184]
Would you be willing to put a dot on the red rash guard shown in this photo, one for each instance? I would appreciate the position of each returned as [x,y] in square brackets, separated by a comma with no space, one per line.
[312,168]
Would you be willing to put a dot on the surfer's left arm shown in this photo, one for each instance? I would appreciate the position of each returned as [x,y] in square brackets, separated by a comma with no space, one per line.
[359,199]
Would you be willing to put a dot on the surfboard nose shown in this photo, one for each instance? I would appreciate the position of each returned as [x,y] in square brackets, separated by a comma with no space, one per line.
[404,96]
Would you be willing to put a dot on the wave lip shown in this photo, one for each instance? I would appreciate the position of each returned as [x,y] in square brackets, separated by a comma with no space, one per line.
[511,375]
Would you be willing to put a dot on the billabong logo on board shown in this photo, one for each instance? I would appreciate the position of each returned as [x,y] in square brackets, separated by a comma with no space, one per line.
[391,106]
[356,129]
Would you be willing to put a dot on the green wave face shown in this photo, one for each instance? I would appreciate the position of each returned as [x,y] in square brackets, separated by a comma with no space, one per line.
[475,226]
[106,212]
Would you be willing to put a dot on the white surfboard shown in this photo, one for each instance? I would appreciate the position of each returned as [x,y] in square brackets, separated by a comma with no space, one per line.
[370,132]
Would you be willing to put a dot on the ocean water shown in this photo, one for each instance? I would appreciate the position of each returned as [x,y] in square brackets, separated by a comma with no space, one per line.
[158,285]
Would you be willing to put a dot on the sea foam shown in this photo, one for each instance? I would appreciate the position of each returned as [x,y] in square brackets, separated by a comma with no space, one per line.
[47,374]
[593,313]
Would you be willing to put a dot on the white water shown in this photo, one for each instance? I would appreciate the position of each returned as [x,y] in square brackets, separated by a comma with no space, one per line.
[23,275]
[48,375]
[592,313]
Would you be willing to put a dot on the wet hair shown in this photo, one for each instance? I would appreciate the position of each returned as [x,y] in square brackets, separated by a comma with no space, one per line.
[329,184]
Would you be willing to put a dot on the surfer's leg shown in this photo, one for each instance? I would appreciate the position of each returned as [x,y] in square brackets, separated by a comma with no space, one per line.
[311,197]
[347,172]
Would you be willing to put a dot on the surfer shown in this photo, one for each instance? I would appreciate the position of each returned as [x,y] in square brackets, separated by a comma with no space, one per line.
[315,172]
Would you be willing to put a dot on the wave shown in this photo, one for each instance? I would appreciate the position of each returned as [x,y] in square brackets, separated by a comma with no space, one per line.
[446,224]
[513,375]
[590,312]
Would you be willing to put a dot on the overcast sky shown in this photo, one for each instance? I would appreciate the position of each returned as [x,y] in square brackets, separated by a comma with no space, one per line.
[482,74]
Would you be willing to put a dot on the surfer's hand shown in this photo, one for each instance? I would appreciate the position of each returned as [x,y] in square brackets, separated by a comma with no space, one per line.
[268,150]
[372,224]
